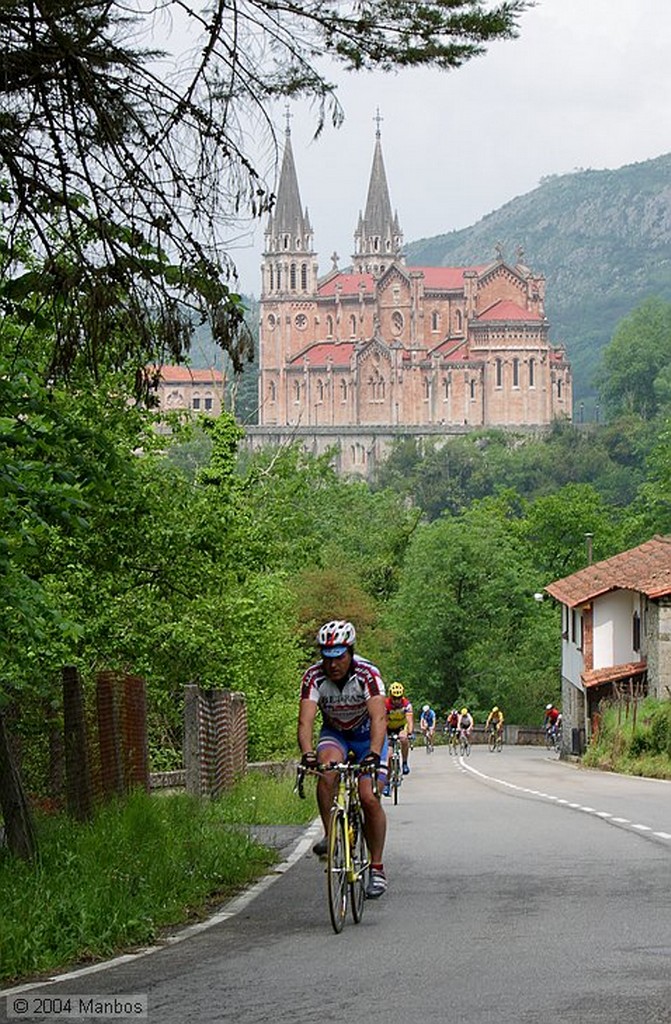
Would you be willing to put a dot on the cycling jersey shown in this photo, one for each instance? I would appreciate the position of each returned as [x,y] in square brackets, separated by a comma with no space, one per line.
[397,712]
[344,708]
[428,720]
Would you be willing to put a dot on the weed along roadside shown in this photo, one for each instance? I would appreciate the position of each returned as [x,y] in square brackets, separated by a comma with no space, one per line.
[144,863]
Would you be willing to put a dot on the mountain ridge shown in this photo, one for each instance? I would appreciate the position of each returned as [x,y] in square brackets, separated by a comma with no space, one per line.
[602,239]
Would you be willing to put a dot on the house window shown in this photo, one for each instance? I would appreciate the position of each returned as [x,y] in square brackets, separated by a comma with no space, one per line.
[472,390]
[208,405]
[636,632]
[329,326]
[564,624]
[343,390]
[352,326]
[516,373]
[459,320]
[532,371]
[435,321]
[320,390]
[499,373]
[195,402]
[297,392]
[576,628]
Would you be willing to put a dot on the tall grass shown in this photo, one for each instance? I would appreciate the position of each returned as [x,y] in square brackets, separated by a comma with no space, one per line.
[634,744]
[144,863]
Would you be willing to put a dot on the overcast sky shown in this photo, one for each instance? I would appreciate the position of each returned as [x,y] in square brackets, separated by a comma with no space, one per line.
[586,85]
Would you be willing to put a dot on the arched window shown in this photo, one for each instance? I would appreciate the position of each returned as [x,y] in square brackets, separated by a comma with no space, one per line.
[352,326]
[286,242]
[516,373]
[329,326]
[426,387]
[446,387]
[297,391]
[499,373]
[459,320]
[558,389]
[532,372]
[272,391]
[279,278]
[304,277]
[435,320]
[292,277]
[472,390]
[320,390]
[343,390]
[271,278]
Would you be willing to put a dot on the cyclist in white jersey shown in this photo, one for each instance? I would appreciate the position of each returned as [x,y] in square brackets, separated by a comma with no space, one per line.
[349,692]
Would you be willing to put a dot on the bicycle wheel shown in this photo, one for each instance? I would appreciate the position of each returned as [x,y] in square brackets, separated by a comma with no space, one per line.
[499,741]
[360,864]
[492,740]
[396,776]
[462,746]
[336,869]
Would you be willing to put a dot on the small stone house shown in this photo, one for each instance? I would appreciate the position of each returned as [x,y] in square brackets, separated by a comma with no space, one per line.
[616,633]
[185,388]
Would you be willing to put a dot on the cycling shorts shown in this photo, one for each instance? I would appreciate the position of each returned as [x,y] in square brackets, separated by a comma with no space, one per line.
[359,745]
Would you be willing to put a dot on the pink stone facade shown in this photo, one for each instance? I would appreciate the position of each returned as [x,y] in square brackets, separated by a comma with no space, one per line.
[385,344]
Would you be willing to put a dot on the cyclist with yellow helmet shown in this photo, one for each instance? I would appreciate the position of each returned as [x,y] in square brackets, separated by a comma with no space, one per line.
[495,718]
[465,723]
[400,720]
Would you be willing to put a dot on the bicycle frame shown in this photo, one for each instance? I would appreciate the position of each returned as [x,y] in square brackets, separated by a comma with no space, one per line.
[348,859]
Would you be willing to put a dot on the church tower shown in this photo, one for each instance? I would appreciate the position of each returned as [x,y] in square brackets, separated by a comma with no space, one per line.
[288,290]
[378,237]
[288,259]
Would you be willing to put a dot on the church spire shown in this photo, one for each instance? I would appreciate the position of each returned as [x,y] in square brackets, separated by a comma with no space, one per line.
[378,237]
[289,229]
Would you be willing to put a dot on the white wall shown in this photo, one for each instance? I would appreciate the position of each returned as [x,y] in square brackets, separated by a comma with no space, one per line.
[613,633]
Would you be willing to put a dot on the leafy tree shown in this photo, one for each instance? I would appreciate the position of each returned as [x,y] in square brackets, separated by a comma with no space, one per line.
[475,633]
[634,377]
[126,165]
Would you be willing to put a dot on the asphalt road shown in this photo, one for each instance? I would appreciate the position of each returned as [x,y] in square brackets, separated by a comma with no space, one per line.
[522,890]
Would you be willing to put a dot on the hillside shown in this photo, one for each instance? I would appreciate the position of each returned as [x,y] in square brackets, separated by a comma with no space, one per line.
[601,238]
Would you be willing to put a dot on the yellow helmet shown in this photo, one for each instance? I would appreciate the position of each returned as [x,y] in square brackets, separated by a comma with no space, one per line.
[495,708]
[464,711]
[396,690]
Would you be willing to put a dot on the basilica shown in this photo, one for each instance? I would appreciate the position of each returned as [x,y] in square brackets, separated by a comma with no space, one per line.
[382,349]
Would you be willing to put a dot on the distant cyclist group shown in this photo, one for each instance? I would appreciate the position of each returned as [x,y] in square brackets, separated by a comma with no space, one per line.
[374,730]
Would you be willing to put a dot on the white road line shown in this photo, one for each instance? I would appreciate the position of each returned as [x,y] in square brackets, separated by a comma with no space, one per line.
[235,906]
[604,815]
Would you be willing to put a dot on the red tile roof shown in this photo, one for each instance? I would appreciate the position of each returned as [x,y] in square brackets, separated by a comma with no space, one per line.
[454,351]
[506,309]
[348,284]
[440,278]
[599,676]
[435,278]
[645,569]
[339,353]
[188,375]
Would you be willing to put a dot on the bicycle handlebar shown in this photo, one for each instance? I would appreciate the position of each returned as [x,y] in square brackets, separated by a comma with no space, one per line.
[343,767]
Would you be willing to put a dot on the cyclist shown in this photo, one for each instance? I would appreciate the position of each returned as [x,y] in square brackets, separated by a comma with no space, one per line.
[552,721]
[465,723]
[495,718]
[349,692]
[427,723]
[400,720]
[451,723]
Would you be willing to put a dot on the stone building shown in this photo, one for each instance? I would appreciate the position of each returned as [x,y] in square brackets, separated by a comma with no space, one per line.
[185,388]
[383,349]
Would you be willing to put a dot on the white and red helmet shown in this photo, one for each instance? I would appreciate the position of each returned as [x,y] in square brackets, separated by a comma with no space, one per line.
[336,637]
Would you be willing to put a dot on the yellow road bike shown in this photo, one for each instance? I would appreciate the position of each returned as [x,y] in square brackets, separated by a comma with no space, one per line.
[395,761]
[348,859]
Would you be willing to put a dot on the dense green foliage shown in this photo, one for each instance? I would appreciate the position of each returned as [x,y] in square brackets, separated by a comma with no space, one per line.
[634,739]
[601,238]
